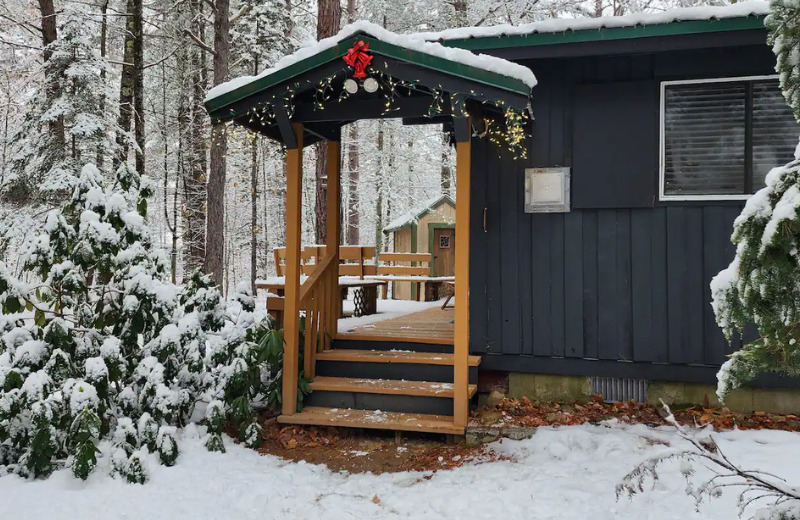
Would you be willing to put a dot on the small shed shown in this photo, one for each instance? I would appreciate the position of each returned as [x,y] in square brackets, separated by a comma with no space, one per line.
[429,228]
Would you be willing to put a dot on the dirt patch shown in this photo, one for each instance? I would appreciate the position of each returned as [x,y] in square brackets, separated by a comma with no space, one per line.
[361,451]
[375,451]
[524,412]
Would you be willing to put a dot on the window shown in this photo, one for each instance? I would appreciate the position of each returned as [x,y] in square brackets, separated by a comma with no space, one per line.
[719,138]
[444,241]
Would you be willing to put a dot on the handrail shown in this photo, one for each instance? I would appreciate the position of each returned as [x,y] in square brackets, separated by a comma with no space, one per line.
[320,299]
[315,276]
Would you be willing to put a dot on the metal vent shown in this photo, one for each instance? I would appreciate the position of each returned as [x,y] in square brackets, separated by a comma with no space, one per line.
[615,389]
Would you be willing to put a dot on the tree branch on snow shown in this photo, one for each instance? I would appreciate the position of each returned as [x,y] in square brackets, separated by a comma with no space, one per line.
[754,485]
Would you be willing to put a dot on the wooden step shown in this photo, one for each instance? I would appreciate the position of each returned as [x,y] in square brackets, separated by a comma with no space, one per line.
[418,336]
[373,419]
[392,356]
[386,386]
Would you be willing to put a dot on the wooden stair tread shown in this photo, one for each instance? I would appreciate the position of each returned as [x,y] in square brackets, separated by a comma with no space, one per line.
[392,356]
[373,419]
[386,386]
[416,336]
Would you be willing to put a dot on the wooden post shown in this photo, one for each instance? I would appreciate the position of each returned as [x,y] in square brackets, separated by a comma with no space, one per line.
[332,233]
[291,317]
[461,333]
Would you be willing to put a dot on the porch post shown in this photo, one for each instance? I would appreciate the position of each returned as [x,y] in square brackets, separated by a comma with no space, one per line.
[461,333]
[291,317]
[332,234]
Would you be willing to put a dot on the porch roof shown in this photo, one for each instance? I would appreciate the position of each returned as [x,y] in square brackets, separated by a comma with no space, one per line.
[420,81]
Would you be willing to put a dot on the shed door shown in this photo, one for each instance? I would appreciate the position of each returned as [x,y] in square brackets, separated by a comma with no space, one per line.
[444,252]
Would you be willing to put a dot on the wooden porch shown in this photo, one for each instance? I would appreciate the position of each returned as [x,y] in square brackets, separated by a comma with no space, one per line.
[433,325]
[409,373]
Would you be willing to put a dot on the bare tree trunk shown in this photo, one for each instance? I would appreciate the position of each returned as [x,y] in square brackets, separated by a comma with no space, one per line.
[49,35]
[328,23]
[446,173]
[379,203]
[103,44]
[352,208]
[254,231]
[460,7]
[195,183]
[126,86]
[598,8]
[182,123]
[138,83]
[215,190]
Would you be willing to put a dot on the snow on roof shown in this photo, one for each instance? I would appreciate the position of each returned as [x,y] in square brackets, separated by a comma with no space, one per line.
[557,25]
[412,216]
[412,42]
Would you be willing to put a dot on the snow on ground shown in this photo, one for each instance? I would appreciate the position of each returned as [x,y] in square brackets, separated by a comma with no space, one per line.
[387,309]
[565,473]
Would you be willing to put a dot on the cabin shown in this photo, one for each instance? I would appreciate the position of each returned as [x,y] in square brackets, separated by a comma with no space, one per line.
[600,164]
[429,229]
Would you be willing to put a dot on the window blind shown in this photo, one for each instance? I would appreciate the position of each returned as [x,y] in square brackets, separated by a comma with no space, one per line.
[722,138]
[704,139]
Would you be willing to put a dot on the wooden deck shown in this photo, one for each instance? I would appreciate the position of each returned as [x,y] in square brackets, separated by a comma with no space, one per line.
[433,325]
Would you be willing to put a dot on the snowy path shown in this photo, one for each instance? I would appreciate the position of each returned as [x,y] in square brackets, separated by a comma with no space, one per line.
[566,473]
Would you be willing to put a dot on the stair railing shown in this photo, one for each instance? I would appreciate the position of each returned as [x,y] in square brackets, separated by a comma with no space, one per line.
[321,299]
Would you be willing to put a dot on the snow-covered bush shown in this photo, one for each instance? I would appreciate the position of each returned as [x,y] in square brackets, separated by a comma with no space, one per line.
[761,286]
[101,355]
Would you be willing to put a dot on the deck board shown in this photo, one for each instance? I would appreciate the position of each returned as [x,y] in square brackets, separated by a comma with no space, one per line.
[432,325]
[375,419]
[392,356]
[386,386]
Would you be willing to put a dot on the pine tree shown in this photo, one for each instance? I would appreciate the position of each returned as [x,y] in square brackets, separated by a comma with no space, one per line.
[45,164]
[761,285]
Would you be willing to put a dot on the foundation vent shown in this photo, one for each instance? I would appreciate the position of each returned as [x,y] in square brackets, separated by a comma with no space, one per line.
[615,389]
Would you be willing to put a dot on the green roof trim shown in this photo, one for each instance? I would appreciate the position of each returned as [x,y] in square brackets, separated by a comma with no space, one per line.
[382,48]
[446,66]
[278,77]
[609,33]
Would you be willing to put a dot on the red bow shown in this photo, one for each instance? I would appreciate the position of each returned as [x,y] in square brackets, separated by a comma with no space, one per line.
[358,58]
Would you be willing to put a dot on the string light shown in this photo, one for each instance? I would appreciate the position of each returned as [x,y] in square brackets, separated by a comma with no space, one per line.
[506,130]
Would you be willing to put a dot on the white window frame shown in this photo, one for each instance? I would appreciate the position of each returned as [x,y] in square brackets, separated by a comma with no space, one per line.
[661,139]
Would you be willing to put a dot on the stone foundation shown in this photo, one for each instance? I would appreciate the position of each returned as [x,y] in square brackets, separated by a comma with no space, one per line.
[742,400]
[548,387]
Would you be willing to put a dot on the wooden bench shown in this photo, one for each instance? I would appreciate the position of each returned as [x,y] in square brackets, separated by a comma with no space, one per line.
[356,261]
[412,268]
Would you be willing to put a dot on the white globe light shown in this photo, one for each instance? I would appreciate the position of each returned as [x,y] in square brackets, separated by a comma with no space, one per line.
[371,85]
[351,86]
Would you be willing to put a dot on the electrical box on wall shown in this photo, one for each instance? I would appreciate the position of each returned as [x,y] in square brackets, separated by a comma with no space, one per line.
[547,190]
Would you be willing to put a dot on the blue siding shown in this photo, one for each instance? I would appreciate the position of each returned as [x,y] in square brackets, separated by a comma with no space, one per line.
[615,287]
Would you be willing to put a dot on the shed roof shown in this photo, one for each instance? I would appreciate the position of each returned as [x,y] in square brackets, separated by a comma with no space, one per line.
[687,20]
[410,217]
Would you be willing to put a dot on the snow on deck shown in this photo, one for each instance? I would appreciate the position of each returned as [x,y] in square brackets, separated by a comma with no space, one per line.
[567,473]
[557,25]
[387,310]
[411,42]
